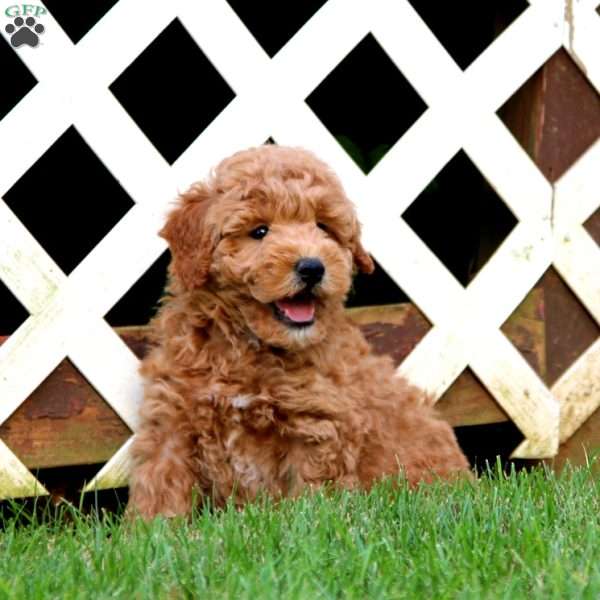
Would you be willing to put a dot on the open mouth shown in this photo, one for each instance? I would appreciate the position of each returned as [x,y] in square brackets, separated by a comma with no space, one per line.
[297,310]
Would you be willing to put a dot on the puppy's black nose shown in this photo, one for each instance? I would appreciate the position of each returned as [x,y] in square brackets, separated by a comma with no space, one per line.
[310,270]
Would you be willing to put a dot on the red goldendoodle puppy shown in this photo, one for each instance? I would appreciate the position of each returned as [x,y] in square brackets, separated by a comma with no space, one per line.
[257,380]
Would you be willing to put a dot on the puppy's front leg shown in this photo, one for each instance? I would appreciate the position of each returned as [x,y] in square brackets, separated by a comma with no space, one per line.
[163,475]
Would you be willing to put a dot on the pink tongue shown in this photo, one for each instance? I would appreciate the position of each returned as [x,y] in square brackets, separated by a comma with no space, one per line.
[299,311]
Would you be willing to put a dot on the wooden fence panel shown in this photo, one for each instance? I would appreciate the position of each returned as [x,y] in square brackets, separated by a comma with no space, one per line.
[67,312]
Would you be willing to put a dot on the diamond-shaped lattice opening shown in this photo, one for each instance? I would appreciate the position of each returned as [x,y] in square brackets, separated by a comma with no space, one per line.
[526,329]
[466,29]
[554,115]
[67,483]
[172,91]
[374,289]
[366,103]
[592,226]
[486,446]
[460,218]
[77,21]
[140,303]
[468,402]
[569,328]
[12,312]
[64,422]
[68,200]
[17,81]
[273,22]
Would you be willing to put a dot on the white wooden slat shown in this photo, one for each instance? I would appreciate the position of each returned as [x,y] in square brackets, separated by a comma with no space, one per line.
[577,259]
[511,272]
[578,262]
[30,354]
[434,73]
[37,347]
[16,481]
[19,254]
[578,390]
[310,55]
[577,192]
[438,359]
[127,28]
[414,267]
[115,139]
[110,367]
[580,38]
[504,163]
[37,123]
[313,52]
[463,106]
[521,394]
[416,158]
[577,256]
[35,350]
[118,260]
[115,473]
[512,58]
[213,24]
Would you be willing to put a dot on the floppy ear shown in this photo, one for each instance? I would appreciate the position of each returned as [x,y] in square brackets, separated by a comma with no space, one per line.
[191,241]
[362,259]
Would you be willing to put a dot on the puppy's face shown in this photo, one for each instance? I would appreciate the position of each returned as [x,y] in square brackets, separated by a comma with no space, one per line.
[289,262]
[280,241]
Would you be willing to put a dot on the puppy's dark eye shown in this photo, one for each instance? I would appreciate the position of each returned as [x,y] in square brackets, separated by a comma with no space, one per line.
[259,232]
[322,226]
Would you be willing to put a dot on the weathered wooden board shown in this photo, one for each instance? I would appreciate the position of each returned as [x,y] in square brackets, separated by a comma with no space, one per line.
[64,422]
[67,422]
[581,447]
[467,402]
[556,117]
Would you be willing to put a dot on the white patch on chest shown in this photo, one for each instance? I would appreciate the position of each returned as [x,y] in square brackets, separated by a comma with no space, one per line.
[242,401]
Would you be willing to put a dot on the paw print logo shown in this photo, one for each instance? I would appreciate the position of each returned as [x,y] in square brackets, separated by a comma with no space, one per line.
[24,31]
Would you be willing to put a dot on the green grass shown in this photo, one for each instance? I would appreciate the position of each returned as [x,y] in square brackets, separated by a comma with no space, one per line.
[523,536]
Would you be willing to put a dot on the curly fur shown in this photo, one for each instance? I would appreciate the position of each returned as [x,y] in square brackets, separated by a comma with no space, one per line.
[237,401]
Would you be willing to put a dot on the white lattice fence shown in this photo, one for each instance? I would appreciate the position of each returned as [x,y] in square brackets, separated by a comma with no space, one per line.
[67,312]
